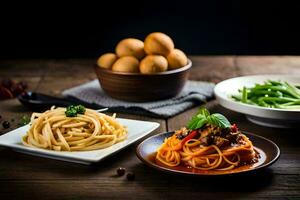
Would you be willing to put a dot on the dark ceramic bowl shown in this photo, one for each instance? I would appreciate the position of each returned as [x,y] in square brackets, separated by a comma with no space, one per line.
[138,87]
[268,150]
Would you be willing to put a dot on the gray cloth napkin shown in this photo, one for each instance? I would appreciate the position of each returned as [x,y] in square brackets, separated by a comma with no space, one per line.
[194,93]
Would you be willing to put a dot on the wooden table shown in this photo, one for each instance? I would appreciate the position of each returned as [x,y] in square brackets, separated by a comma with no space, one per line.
[28,177]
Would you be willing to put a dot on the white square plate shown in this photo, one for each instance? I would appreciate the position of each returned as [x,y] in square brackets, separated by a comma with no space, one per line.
[136,130]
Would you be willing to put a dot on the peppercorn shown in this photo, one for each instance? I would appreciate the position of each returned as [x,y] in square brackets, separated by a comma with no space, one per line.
[130,176]
[121,171]
[6,124]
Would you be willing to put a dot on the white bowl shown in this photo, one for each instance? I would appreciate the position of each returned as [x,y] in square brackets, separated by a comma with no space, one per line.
[272,117]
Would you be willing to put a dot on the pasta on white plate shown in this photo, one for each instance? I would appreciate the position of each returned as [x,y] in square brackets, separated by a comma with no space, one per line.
[73,129]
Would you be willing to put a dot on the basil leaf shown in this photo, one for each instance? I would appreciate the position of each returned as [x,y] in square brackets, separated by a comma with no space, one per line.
[192,124]
[203,117]
[204,111]
[201,123]
[219,120]
[196,123]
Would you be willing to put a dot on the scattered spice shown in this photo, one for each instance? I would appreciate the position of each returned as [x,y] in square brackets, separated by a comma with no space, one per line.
[130,176]
[6,124]
[121,171]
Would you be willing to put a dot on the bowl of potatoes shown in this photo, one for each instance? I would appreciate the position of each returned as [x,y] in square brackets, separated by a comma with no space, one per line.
[141,71]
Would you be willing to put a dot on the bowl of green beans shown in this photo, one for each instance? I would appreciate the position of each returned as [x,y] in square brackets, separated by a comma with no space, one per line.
[269,100]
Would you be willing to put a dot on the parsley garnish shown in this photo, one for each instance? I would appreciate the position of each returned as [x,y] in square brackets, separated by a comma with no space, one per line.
[72,110]
[80,109]
[24,120]
[204,117]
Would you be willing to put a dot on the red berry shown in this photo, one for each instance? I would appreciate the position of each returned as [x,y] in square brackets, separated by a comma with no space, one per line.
[7,83]
[17,89]
[23,84]
[5,93]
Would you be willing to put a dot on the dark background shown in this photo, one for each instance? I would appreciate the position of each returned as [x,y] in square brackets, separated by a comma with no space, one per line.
[210,27]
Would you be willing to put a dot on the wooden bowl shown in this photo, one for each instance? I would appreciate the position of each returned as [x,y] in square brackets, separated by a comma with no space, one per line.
[138,87]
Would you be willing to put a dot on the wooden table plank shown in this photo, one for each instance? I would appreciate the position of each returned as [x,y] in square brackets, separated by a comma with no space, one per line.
[55,85]
[76,68]
[28,177]
[249,65]
[212,68]
[22,68]
[12,111]
[156,185]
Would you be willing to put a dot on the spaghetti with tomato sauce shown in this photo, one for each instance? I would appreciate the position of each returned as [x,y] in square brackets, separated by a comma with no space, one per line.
[208,148]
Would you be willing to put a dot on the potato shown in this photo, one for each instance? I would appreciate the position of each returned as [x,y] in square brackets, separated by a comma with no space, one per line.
[158,43]
[126,64]
[107,60]
[130,47]
[177,59]
[153,63]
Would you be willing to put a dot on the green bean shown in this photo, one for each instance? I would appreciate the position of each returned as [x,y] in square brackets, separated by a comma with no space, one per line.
[244,95]
[271,94]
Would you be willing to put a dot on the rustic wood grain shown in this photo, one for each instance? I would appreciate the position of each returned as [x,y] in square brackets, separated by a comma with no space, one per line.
[212,68]
[28,177]
[76,68]
[22,68]
[55,85]
[250,65]
[12,111]
[149,186]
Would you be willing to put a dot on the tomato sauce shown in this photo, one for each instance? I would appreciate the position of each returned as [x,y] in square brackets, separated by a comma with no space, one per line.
[190,170]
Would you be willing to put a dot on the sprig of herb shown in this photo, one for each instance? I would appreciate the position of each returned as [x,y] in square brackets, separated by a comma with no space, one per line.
[24,120]
[73,110]
[204,117]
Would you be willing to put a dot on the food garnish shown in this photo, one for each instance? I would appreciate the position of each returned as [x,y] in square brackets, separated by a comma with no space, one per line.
[204,117]
[24,120]
[72,110]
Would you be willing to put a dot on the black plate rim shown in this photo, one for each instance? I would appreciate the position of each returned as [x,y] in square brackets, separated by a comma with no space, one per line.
[164,169]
